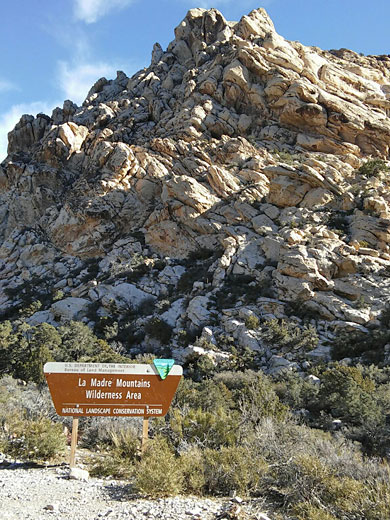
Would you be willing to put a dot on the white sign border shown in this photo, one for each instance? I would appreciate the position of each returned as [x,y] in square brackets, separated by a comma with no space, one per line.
[107,368]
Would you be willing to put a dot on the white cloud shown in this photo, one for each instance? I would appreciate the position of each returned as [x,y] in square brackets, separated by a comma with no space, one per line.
[9,119]
[7,85]
[89,11]
[76,79]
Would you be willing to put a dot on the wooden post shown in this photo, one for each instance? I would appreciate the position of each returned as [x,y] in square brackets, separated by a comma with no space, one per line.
[145,431]
[73,445]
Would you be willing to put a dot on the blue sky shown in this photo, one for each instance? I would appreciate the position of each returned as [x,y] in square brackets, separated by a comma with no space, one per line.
[52,50]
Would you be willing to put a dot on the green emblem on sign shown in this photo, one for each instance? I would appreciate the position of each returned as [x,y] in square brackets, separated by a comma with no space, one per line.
[163,366]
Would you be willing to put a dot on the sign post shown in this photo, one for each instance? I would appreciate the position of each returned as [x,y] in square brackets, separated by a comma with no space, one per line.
[145,433]
[111,390]
[73,445]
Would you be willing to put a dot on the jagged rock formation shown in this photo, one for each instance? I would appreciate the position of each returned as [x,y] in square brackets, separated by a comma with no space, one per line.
[232,140]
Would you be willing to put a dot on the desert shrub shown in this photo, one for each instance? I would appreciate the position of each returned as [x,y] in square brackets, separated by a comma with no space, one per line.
[128,334]
[240,359]
[30,309]
[58,295]
[344,497]
[91,267]
[34,440]
[307,511]
[345,393]
[351,395]
[385,317]
[200,367]
[41,345]
[29,400]
[223,410]
[23,353]
[137,272]
[159,329]
[163,305]
[338,221]
[205,428]
[289,336]
[205,395]
[106,328]
[30,292]
[377,506]
[32,368]
[248,391]
[13,348]
[202,254]
[7,341]
[288,158]
[125,443]
[294,390]
[252,322]
[120,448]
[158,473]
[78,342]
[233,469]
[373,167]
[281,440]
[192,467]
[367,346]
[198,272]
[107,465]
[98,432]
[24,349]
[358,396]
[253,395]
[315,469]
[241,287]
[302,310]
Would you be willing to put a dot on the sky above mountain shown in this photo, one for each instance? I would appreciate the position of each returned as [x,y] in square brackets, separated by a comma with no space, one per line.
[56,50]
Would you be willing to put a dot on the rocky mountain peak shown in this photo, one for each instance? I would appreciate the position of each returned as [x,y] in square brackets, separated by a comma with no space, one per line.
[234,140]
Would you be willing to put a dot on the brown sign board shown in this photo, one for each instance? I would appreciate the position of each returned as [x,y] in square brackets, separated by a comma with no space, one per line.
[110,389]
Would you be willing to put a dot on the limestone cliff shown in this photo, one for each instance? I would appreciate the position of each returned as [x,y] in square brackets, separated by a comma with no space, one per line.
[234,141]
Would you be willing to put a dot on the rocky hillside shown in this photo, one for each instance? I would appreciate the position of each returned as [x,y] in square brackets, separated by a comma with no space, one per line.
[238,180]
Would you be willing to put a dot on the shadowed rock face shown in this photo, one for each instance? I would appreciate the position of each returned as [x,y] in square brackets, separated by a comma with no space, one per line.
[185,151]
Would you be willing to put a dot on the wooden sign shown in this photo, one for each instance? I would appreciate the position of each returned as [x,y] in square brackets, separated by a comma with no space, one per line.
[110,389]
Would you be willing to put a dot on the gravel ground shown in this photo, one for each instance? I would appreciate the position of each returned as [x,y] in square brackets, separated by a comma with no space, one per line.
[48,493]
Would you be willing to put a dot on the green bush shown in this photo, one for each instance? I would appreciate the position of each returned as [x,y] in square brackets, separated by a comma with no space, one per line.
[289,336]
[205,428]
[307,511]
[192,466]
[159,472]
[345,393]
[367,346]
[341,496]
[253,395]
[373,167]
[233,469]
[295,391]
[252,322]
[338,221]
[159,329]
[198,272]
[35,440]
[24,349]
[240,359]
[241,287]
[287,157]
[120,453]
